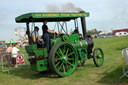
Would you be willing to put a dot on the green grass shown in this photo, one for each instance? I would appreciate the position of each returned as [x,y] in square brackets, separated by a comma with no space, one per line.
[108,74]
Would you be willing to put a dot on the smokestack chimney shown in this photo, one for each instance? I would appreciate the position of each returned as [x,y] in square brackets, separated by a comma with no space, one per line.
[83,23]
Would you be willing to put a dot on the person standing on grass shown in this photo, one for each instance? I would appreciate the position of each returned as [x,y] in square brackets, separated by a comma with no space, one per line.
[8,56]
[15,51]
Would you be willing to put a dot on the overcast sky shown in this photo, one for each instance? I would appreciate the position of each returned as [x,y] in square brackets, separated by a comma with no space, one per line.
[105,15]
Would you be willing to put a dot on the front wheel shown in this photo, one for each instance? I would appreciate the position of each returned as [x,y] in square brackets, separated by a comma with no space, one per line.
[63,59]
[98,57]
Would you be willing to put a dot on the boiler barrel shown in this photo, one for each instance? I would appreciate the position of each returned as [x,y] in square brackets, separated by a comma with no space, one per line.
[80,44]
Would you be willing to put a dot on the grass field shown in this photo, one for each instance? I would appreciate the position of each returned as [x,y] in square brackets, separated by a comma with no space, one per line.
[108,74]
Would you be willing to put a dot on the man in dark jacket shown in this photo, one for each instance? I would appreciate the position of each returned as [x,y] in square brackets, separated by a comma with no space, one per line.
[46,37]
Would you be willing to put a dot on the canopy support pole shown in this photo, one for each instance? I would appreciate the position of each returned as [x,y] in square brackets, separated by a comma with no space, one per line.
[28,33]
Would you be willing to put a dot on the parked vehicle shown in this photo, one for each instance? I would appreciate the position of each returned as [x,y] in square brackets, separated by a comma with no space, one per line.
[67,50]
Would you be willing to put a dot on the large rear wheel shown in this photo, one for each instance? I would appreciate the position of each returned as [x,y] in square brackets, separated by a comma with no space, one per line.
[63,59]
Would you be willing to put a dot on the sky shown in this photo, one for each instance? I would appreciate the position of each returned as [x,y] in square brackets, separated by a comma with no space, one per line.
[105,15]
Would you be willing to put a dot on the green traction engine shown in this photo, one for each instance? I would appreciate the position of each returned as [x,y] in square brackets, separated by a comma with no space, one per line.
[68,51]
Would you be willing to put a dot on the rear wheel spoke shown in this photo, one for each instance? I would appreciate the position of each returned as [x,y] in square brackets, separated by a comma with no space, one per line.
[70,58]
[64,68]
[67,51]
[60,66]
[57,63]
[64,50]
[70,63]
[57,54]
[61,51]
[70,54]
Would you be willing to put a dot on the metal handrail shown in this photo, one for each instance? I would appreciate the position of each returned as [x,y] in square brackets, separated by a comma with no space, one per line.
[4,54]
[125,62]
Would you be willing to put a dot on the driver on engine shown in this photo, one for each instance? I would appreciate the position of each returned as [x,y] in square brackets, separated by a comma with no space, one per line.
[46,37]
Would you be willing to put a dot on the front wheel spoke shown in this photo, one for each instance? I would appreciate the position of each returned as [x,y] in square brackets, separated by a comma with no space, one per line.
[100,60]
[97,56]
[60,66]
[98,53]
[97,60]
[70,63]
